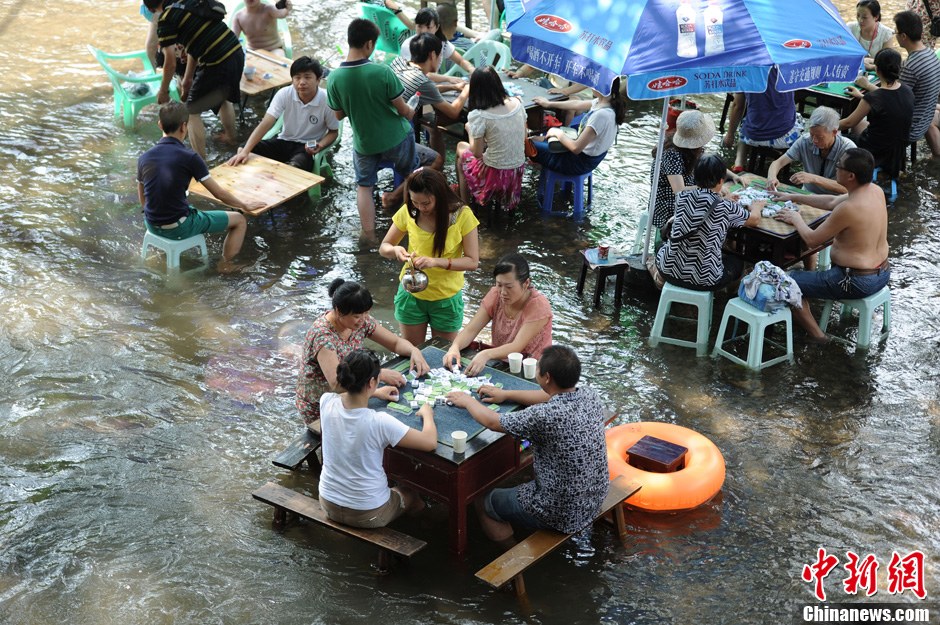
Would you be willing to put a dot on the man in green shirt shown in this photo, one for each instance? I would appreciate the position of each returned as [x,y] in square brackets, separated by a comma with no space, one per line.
[371,96]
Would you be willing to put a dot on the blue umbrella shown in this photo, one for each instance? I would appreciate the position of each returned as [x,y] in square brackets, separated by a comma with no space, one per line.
[673,47]
[669,48]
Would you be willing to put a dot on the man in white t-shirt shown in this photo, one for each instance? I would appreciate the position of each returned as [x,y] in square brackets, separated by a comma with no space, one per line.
[310,125]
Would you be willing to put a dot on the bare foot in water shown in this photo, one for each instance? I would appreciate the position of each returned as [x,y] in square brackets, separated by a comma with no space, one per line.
[229,266]
[222,137]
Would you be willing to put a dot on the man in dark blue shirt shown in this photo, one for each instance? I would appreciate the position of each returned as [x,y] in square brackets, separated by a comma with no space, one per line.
[163,176]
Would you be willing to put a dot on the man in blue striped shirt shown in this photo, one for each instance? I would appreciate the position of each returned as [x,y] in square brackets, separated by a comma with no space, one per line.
[214,72]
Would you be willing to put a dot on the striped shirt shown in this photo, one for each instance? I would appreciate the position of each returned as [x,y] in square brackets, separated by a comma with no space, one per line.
[697,259]
[416,81]
[209,41]
[921,72]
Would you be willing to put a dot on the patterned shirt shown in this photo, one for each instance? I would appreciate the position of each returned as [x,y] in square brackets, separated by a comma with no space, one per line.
[571,475]
[209,41]
[921,72]
[312,383]
[697,259]
[672,165]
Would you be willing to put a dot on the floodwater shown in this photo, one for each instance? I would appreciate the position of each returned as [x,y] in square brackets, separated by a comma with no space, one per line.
[138,413]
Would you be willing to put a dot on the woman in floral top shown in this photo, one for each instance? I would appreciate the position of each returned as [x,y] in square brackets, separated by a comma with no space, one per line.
[338,332]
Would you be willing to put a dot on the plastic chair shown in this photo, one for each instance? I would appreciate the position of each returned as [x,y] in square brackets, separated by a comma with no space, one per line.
[391,31]
[283,29]
[132,92]
[891,189]
[321,166]
[866,308]
[546,191]
[758,321]
[483,54]
[823,261]
[174,249]
[702,300]
[640,237]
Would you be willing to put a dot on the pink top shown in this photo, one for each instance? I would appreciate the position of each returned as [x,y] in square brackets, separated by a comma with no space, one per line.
[504,329]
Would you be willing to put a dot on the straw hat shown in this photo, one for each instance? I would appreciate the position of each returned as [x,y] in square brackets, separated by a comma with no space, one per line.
[693,130]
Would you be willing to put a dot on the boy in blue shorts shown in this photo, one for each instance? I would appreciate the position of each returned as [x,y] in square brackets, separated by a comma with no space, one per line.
[163,176]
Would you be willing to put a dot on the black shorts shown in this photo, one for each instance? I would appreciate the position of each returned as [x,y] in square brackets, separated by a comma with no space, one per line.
[213,85]
[292,152]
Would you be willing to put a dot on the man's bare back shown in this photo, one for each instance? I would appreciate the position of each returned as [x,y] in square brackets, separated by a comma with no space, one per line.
[862,241]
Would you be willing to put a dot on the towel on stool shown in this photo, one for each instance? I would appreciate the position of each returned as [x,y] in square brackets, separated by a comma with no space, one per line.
[769,288]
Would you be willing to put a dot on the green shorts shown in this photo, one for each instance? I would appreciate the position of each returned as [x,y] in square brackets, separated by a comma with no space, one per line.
[197,222]
[443,315]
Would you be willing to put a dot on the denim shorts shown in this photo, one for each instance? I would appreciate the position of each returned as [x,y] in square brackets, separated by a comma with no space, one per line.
[830,284]
[502,504]
[403,158]
[197,222]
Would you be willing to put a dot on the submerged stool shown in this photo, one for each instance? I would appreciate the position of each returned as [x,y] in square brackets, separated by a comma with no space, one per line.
[891,189]
[174,249]
[546,192]
[701,300]
[611,267]
[758,321]
[866,307]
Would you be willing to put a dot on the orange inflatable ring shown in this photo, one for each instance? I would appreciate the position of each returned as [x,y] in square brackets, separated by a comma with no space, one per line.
[688,488]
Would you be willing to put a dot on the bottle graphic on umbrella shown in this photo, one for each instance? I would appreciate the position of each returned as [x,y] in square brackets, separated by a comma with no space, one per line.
[714,28]
[685,19]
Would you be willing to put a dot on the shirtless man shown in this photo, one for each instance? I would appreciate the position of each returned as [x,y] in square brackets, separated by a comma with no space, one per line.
[259,23]
[858,226]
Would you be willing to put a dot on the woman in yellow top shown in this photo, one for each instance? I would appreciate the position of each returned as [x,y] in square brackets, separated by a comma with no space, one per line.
[443,243]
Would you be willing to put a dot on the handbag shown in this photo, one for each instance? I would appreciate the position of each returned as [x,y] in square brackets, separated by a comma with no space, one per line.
[934,21]
[530,150]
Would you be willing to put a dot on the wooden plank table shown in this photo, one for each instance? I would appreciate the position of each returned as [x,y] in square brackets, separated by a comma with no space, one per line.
[458,479]
[259,178]
[774,240]
[271,72]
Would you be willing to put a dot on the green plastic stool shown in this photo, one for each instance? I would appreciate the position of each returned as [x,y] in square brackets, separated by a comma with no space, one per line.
[174,249]
[866,307]
[702,300]
[758,321]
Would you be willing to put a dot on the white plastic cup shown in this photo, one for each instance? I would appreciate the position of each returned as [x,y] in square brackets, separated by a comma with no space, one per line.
[249,72]
[515,362]
[460,441]
[528,367]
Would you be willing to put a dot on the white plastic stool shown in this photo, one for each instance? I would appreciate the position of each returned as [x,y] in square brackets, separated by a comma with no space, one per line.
[823,262]
[701,300]
[866,308]
[173,249]
[758,322]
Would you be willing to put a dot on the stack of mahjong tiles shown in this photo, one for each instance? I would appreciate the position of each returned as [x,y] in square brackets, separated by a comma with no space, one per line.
[434,387]
[752,194]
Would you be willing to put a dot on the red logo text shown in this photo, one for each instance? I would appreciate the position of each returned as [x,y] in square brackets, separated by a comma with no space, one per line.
[553,23]
[667,82]
[798,43]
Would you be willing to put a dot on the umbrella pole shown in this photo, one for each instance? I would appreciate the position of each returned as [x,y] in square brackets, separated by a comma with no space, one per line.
[657,163]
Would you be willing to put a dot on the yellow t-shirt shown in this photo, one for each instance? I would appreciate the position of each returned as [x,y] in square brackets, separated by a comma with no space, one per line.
[441,282]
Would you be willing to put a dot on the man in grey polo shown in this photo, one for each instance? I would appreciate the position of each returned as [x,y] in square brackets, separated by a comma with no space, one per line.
[818,152]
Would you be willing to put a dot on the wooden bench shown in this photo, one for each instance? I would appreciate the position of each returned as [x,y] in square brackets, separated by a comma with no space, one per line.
[512,564]
[302,448]
[388,541]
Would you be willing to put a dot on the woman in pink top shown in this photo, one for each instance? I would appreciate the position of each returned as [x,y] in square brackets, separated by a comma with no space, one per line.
[521,316]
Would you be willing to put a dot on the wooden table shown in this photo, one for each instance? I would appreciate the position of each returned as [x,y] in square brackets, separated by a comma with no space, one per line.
[529,91]
[456,479]
[271,72]
[259,178]
[774,240]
